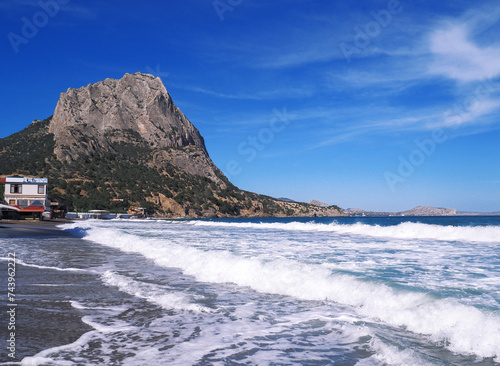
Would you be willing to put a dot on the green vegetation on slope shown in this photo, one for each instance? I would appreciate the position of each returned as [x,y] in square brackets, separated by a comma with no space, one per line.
[26,152]
[121,175]
[95,181]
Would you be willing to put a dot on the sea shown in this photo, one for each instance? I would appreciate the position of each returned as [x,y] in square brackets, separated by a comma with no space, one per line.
[269,291]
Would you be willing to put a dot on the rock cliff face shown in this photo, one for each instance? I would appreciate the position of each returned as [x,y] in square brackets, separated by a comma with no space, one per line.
[137,102]
[89,120]
[318,203]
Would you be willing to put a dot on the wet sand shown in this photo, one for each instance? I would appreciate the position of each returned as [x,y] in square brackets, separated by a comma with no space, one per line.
[25,228]
[44,315]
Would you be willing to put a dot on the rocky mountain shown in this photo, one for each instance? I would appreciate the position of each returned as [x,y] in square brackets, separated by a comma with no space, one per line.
[318,203]
[429,211]
[91,120]
[416,211]
[123,141]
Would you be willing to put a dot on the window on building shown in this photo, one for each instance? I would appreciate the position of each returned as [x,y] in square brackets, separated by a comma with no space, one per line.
[16,188]
[41,189]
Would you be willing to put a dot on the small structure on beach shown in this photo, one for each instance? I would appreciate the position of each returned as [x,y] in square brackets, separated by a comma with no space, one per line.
[92,214]
[27,196]
[137,212]
[101,214]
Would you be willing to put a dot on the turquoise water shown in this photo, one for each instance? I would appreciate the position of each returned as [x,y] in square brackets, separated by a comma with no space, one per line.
[342,291]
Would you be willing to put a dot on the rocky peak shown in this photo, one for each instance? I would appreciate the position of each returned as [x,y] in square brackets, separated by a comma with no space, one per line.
[87,119]
[318,203]
[429,211]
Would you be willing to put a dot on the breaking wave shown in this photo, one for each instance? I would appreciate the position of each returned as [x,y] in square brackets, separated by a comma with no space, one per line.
[405,230]
[151,292]
[461,328]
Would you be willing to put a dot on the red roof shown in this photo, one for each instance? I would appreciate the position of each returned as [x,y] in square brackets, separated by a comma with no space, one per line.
[32,209]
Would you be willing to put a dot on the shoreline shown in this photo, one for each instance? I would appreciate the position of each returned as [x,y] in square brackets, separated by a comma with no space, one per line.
[44,317]
[24,228]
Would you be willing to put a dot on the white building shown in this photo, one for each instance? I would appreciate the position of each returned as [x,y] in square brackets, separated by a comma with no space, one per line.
[27,194]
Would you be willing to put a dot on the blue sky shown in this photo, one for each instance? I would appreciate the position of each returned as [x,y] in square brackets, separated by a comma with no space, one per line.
[382,105]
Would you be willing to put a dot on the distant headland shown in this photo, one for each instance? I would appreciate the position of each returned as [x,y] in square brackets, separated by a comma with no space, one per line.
[418,211]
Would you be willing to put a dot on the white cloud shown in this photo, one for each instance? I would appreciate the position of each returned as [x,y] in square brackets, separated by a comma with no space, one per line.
[462,50]
[456,56]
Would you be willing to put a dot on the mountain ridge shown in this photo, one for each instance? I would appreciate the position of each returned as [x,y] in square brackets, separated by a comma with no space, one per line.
[124,139]
[416,211]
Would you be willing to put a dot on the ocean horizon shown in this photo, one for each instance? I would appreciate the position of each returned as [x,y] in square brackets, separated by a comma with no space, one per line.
[269,291]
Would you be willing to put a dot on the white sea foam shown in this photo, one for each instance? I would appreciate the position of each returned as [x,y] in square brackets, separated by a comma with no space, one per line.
[464,329]
[105,329]
[151,292]
[405,230]
[115,309]
[264,338]
[78,306]
[391,356]
[22,263]
[43,357]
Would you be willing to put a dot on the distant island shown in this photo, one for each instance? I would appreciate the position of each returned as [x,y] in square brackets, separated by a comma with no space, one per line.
[418,211]
[122,142]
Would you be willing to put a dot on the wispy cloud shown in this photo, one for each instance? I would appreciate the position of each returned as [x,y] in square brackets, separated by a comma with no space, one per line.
[258,95]
[457,50]
[380,123]
[463,51]
[221,95]
[413,77]
[309,53]
[457,57]
[473,114]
